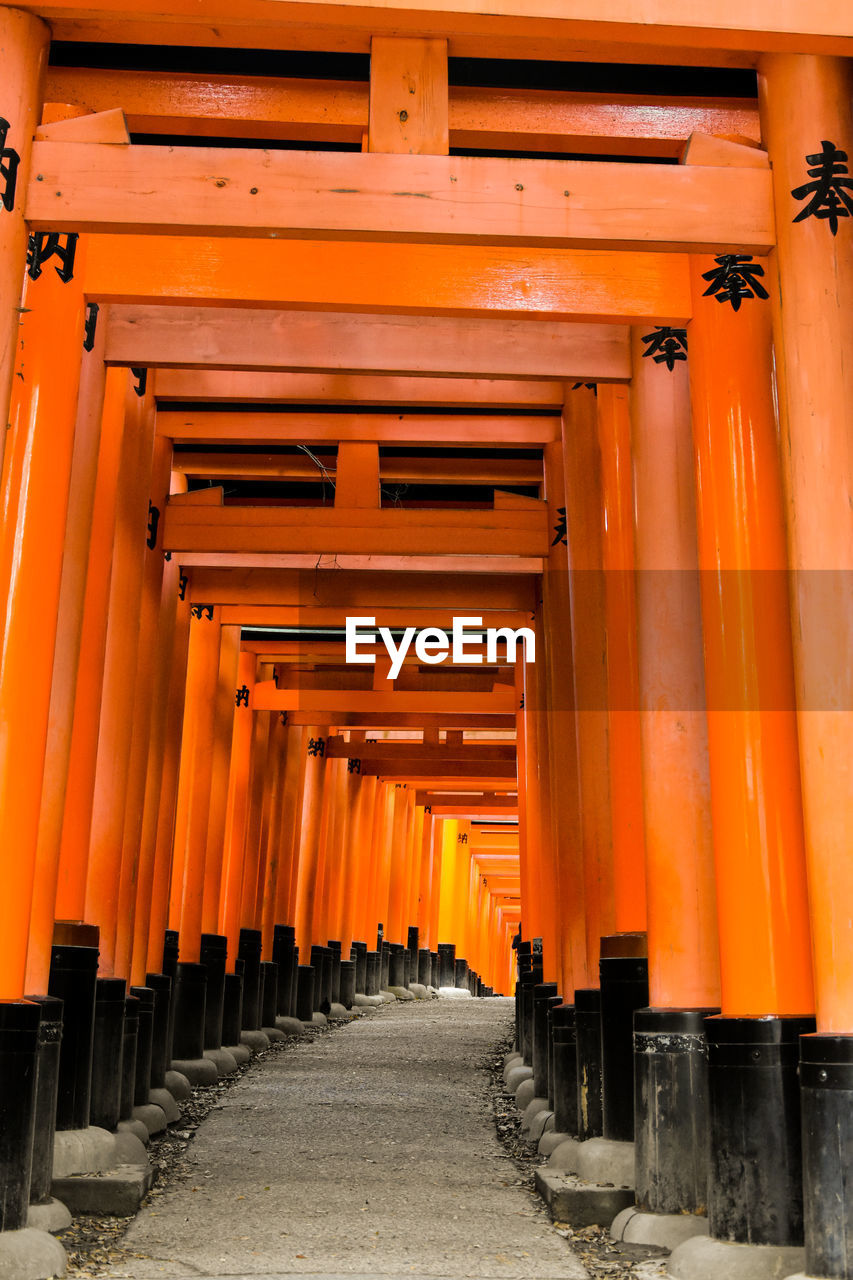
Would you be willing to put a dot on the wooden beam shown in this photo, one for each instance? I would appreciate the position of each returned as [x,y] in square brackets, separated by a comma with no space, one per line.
[432,595]
[406,279]
[365,562]
[267,698]
[234,338]
[307,615]
[449,471]
[639,30]
[417,770]
[309,195]
[335,531]
[177,103]
[224,386]
[385,752]
[488,430]
[400,720]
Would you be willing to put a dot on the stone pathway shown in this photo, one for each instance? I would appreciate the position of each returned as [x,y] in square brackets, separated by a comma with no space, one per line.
[368,1152]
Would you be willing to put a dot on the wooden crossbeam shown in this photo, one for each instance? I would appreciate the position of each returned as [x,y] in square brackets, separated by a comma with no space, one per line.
[266,697]
[488,430]
[336,111]
[729,31]
[339,531]
[400,719]
[235,387]
[431,279]
[471,753]
[416,769]
[445,471]
[451,199]
[239,338]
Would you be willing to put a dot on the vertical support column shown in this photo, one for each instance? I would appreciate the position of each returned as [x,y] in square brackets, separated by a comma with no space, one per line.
[670,1122]
[223,725]
[312,807]
[624,734]
[24,41]
[408,96]
[38,465]
[810,149]
[122,646]
[291,814]
[238,803]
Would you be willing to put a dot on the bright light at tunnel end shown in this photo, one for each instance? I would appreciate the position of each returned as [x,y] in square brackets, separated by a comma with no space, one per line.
[463,645]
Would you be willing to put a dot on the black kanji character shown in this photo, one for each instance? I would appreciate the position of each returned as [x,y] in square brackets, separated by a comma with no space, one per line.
[316,746]
[561,528]
[92,310]
[202,611]
[353,765]
[44,245]
[666,345]
[830,198]
[153,525]
[9,161]
[734,278]
[243,696]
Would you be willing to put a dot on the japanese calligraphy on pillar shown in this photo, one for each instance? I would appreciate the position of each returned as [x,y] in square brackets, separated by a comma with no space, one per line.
[829,189]
[735,277]
[666,345]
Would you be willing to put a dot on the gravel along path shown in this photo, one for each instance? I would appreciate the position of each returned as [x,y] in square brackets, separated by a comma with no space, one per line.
[368,1151]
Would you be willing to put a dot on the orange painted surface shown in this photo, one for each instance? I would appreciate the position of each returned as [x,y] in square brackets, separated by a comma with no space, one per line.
[291,810]
[24,40]
[583,500]
[36,479]
[237,809]
[195,778]
[312,805]
[682,924]
[252,850]
[408,96]
[762,899]
[223,725]
[623,718]
[612,206]
[804,100]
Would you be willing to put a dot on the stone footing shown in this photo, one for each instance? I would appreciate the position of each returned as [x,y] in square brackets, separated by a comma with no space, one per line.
[704,1259]
[550,1140]
[273,1034]
[603,1161]
[132,1129]
[338,1013]
[525,1093]
[52,1216]
[401,993]
[89,1150]
[223,1060]
[117,1192]
[516,1076]
[454,993]
[239,1052]
[30,1255]
[163,1099]
[254,1040]
[564,1157]
[196,1070]
[665,1230]
[178,1085]
[290,1026]
[152,1116]
[582,1204]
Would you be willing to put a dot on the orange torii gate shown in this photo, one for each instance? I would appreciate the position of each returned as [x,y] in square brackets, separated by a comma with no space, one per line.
[723,734]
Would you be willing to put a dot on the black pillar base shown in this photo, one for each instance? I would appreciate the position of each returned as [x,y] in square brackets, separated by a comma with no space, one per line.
[588,1040]
[161,1047]
[19,1037]
[170,969]
[358,953]
[144,1041]
[269,1009]
[564,1069]
[447,964]
[249,951]
[283,953]
[105,1107]
[424,974]
[322,965]
[47,1086]
[347,992]
[755,1183]
[73,974]
[232,1009]
[128,1056]
[373,970]
[190,995]
[214,955]
[624,988]
[461,974]
[334,949]
[384,965]
[396,968]
[435,969]
[544,995]
[305,993]
[671,1110]
[826,1095]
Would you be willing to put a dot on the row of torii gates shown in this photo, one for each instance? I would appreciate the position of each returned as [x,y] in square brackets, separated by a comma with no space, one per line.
[256,392]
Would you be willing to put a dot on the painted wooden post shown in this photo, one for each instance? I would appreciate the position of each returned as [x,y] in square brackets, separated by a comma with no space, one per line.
[24,41]
[238,804]
[806,105]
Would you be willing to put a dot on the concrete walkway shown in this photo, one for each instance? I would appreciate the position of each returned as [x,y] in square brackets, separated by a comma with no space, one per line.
[368,1152]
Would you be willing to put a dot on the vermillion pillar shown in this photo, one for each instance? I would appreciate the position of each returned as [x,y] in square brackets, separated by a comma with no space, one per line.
[238,804]
[683,975]
[291,814]
[762,904]
[807,124]
[24,41]
[624,734]
[312,810]
[115,731]
[37,471]
[191,829]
